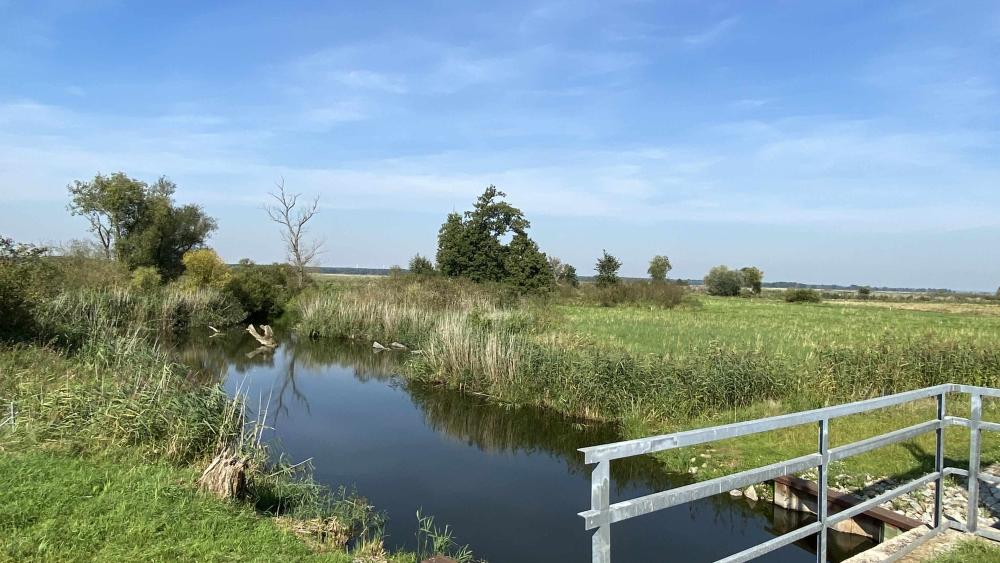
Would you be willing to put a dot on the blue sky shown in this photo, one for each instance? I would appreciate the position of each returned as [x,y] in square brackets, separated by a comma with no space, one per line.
[842,142]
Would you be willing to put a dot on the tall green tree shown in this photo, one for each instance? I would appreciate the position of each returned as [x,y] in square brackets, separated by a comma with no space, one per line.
[568,276]
[607,270]
[116,206]
[659,266]
[471,245]
[526,266]
[137,223]
[753,278]
[453,251]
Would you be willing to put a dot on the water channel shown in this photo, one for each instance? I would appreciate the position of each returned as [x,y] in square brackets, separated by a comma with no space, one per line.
[508,481]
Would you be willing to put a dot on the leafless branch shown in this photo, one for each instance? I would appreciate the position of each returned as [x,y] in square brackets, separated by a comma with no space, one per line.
[293,219]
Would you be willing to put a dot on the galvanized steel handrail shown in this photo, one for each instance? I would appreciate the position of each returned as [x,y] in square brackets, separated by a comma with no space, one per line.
[602,513]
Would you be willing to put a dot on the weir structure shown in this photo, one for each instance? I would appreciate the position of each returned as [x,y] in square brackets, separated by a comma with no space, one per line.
[603,513]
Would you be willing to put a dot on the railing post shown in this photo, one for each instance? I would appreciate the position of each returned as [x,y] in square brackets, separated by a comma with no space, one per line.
[821,500]
[939,464]
[975,417]
[600,499]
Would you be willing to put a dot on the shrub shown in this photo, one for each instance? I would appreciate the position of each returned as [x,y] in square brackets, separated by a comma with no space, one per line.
[27,279]
[262,291]
[802,295]
[720,280]
[204,268]
[145,279]
[421,266]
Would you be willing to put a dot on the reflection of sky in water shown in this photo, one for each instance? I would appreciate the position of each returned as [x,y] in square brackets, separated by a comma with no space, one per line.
[508,481]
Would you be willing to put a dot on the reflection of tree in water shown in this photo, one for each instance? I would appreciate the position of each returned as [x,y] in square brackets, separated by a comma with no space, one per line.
[504,428]
[362,360]
[211,359]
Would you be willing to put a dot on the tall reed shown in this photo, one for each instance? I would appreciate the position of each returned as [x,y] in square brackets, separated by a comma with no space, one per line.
[505,351]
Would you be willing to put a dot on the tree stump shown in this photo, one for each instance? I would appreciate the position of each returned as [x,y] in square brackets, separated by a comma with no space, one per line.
[225,477]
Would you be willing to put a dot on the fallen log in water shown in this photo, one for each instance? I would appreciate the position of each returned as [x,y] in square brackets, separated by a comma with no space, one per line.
[266,339]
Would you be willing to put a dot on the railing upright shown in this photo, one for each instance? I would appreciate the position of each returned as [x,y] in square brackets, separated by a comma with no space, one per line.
[939,464]
[600,499]
[602,513]
[821,501]
[975,417]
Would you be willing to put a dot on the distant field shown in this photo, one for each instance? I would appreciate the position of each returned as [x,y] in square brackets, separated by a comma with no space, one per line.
[789,329]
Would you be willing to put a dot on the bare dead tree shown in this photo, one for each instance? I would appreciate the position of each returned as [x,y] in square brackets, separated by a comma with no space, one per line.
[293,218]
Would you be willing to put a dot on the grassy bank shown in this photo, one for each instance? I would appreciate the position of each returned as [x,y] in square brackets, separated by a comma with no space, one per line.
[970,551]
[123,432]
[654,369]
[57,507]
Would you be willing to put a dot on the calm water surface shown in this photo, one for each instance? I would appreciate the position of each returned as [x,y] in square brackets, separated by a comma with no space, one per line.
[508,481]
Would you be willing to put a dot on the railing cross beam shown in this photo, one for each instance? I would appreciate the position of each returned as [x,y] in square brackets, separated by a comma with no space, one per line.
[602,513]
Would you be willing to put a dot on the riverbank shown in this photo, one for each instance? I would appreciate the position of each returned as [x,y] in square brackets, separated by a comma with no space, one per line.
[653,370]
[61,507]
[109,438]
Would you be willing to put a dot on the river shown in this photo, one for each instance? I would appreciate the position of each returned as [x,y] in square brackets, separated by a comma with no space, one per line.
[508,481]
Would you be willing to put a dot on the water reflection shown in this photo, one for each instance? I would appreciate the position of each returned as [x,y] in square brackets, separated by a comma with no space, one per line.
[509,480]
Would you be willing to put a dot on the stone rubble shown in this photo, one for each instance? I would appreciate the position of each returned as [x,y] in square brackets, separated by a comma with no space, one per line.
[919,504]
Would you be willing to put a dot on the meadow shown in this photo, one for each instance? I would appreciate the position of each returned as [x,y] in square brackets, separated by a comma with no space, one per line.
[795,331]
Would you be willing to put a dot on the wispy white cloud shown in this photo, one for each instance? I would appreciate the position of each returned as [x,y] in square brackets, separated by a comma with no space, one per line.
[711,35]
[804,171]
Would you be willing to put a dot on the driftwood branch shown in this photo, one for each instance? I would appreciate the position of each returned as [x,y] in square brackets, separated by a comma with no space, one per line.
[265,339]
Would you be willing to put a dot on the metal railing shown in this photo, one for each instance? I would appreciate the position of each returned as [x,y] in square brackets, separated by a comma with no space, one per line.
[603,513]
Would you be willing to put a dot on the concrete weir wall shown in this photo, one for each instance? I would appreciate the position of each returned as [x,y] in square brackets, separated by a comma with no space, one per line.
[792,493]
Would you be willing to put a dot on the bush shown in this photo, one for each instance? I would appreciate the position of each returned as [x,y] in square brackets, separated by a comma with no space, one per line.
[262,291]
[204,268]
[421,266]
[145,279]
[722,281]
[27,280]
[802,295]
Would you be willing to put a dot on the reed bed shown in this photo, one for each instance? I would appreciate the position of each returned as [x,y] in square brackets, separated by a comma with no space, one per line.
[677,364]
[73,317]
[104,389]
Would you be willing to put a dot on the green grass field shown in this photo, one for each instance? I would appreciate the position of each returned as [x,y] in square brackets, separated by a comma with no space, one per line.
[792,330]
[60,508]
